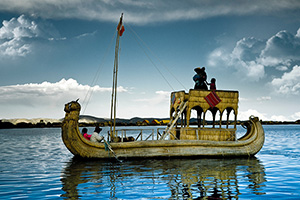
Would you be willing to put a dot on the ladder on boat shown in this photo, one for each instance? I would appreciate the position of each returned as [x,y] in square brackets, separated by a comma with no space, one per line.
[173,120]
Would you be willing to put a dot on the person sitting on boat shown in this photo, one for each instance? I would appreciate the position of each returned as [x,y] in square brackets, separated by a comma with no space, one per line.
[212,84]
[200,78]
[95,136]
[85,134]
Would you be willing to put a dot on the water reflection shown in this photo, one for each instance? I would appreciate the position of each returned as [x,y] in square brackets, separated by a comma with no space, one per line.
[164,179]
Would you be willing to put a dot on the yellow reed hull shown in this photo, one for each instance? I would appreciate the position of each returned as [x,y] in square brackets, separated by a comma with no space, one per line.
[249,145]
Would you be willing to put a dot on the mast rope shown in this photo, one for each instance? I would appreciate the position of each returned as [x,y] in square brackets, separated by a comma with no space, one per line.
[139,41]
[137,38]
[151,60]
[108,146]
[90,91]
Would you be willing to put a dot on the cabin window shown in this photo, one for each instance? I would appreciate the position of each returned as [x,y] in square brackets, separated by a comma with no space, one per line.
[197,115]
[212,117]
[229,117]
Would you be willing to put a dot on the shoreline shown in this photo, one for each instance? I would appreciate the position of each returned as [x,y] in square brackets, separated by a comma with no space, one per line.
[92,121]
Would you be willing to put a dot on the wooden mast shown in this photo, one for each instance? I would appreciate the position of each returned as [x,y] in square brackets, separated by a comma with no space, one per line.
[114,87]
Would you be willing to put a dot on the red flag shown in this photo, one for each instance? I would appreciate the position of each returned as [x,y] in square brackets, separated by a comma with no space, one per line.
[121,31]
[120,27]
[212,99]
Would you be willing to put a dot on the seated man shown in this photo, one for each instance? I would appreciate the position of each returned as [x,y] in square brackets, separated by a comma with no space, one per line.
[95,136]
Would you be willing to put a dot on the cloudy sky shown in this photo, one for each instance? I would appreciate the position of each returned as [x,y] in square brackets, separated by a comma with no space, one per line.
[53,51]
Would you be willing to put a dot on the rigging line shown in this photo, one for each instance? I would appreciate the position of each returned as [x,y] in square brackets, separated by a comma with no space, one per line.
[90,91]
[153,63]
[144,43]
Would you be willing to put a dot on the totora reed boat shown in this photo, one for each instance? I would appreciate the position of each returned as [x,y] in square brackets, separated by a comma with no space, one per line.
[179,139]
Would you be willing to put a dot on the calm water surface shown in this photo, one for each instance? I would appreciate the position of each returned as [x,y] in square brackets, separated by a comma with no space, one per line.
[35,164]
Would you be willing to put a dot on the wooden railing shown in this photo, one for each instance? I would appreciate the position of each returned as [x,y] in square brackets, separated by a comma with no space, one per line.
[187,133]
[139,134]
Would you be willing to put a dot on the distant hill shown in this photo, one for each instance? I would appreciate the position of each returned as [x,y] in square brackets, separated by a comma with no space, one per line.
[134,120]
[82,119]
[86,120]
[32,121]
[91,119]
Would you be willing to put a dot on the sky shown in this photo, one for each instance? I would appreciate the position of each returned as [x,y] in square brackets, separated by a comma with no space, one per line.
[53,52]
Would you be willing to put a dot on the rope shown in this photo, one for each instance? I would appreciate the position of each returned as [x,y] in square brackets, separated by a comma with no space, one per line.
[96,77]
[231,135]
[155,55]
[108,147]
[137,38]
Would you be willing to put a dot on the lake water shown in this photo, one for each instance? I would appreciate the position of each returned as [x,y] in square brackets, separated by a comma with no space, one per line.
[35,164]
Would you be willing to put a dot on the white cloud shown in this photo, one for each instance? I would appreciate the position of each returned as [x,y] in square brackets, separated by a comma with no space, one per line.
[247,49]
[161,96]
[244,115]
[243,58]
[218,57]
[243,99]
[296,116]
[279,118]
[289,82]
[85,35]
[253,70]
[281,49]
[163,93]
[18,34]
[14,47]
[264,98]
[282,68]
[251,56]
[153,105]
[47,93]
[144,11]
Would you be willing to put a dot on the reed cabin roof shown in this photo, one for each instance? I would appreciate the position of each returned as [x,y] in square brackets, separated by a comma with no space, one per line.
[203,101]
[229,99]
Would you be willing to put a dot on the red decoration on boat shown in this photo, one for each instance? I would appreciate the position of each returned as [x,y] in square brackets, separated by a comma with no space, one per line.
[212,99]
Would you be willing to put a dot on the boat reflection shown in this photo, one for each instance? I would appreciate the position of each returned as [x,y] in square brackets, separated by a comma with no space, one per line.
[177,178]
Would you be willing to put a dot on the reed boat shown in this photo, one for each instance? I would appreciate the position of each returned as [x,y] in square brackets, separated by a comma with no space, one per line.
[179,138]
[218,140]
